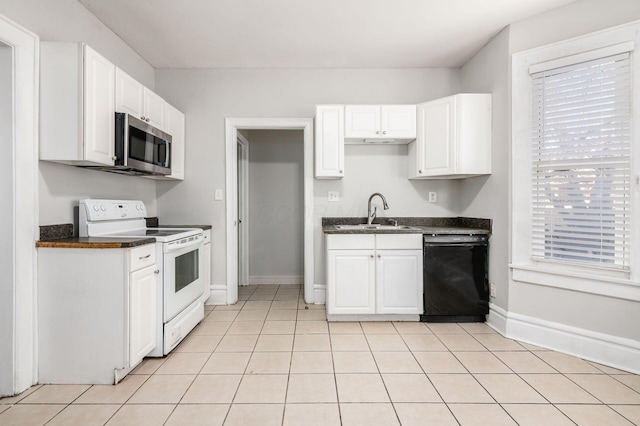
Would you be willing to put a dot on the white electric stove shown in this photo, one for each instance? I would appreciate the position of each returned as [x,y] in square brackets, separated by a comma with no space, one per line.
[179,260]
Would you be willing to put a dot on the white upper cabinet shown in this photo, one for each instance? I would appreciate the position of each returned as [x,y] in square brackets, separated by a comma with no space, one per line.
[329,143]
[453,138]
[380,123]
[139,101]
[155,110]
[77,105]
[176,128]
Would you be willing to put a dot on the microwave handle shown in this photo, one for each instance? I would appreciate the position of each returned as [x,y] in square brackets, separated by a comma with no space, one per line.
[179,246]
[169,146]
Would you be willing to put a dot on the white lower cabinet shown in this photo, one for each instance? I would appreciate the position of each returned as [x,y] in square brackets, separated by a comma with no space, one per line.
[142,313]
[374,274]
[97,312]
[352,275]
[206,259]
[399,282]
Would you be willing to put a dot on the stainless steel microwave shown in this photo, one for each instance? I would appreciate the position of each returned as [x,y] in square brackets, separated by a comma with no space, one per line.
[141,148]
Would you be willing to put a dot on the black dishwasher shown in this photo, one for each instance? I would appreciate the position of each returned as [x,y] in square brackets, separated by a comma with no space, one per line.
[455,278]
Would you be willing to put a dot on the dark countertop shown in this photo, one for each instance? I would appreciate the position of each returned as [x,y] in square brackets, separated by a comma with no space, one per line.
[94,242]
[203,227]
[154,222]
[61,236]
[421,225]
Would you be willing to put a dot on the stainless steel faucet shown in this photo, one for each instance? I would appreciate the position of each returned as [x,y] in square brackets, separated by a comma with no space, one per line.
[372,215]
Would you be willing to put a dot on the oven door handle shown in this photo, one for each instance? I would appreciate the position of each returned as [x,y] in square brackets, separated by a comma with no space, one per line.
[179,246]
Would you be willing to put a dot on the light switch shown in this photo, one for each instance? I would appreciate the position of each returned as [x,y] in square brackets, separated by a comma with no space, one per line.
[333,196]
[433,197]
[217,195]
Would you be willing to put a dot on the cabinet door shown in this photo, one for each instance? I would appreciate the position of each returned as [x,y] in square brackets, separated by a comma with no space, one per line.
[143,286]
[398,121]
[362,121]
[399,282]
[154,110]
[436,136]
[99,108]
[176,128]
[129,95]
[329,148]
[206,275]
[350,282]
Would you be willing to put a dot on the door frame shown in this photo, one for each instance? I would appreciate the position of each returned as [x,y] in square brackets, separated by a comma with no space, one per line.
[21,332]
[243,203]
[232,125]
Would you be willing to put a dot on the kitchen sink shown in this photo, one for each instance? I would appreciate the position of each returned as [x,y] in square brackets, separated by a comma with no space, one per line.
[365,227]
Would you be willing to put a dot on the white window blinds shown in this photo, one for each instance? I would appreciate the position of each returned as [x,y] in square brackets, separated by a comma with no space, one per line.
[581,163]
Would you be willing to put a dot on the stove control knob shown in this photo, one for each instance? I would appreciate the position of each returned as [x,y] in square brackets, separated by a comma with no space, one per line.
[95,207]
[103,207]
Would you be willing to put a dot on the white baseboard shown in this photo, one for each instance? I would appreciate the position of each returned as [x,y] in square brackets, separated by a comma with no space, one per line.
[497,319]
[613,351]
[276,279]
[218,295]
[319,294]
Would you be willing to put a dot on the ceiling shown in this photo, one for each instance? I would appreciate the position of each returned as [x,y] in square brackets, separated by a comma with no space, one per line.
[310,33]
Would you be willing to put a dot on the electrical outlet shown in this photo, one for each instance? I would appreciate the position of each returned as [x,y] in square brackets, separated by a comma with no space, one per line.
[217,195]
[333,196]
[433,197]
[492,290]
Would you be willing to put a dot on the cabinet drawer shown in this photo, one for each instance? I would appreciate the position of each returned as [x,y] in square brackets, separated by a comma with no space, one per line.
[142,256]
[398,241]
[350,241]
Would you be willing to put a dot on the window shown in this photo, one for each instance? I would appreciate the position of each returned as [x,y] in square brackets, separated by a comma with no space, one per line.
[581,163]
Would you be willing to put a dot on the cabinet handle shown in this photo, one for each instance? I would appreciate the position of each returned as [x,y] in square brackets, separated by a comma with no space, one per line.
[142,118]
[147,120]
[114,158]
[371,256]
[145,257]
[340,171]
[419,171]
[377,132]
[157,271]
[379,256]
[384,132]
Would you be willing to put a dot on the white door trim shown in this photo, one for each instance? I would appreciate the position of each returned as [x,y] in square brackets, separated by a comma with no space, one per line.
[23,284]
[231,135]
[243,192]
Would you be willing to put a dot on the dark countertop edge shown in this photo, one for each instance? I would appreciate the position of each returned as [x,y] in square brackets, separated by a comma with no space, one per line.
[154,222]
[331,229]
[203,227]
[424,225]
[94,242]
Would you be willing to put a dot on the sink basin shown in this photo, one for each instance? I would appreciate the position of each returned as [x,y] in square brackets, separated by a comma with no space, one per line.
[365,227]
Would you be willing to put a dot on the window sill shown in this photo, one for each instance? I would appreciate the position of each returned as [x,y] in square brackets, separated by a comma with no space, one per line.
[603,286]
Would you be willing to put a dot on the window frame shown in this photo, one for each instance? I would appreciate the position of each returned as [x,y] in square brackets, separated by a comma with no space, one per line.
[524,266]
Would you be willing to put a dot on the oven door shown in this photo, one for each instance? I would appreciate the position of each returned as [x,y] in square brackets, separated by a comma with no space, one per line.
[183,282]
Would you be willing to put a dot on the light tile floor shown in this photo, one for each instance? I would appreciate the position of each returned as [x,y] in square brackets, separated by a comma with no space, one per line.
[272,360]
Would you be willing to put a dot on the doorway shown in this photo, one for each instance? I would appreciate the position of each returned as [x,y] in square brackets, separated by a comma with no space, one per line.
[233,126]
[19,208]
[273,192]
[243,209]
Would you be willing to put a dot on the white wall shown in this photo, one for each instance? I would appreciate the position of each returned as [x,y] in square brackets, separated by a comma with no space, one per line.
[488,196]
[593,326]
[207,97]
[62,186]
[276,205]
[591,312]
[7,259]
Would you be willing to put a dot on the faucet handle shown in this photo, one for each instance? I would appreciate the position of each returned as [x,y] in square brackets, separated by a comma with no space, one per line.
[394,222]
